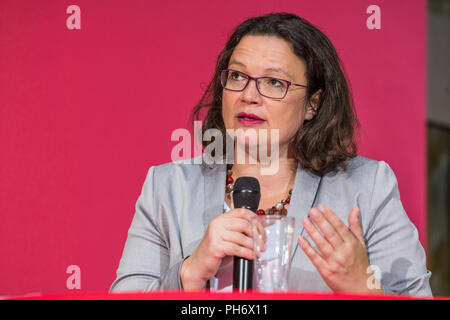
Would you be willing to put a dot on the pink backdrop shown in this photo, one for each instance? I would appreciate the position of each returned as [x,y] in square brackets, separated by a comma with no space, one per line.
[85,113]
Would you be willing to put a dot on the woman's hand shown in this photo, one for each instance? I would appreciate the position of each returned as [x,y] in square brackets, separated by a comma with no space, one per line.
[342,261]
[227,235]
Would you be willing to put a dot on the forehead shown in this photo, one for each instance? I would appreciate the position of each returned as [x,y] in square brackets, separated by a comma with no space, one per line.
[267,54]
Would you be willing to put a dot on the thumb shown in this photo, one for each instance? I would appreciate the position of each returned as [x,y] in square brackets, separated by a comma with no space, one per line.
[354,224]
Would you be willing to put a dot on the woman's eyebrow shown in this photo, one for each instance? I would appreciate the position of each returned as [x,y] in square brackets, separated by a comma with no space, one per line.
[267,69]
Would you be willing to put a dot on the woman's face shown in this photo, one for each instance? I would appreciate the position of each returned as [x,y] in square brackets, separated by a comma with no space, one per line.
[259,56]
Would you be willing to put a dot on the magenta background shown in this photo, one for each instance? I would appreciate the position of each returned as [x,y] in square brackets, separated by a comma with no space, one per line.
[85,113]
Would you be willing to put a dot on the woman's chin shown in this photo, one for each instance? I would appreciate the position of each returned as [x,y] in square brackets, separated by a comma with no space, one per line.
[255,148]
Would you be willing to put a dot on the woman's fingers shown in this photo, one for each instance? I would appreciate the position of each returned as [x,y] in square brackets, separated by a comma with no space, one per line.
[241,213]
[336,222]
[259,234]
[322,244]
[236,233]
[242,221]
[329,232]
[233,249]
[312,254]
[240,225]
[355,226]
[238,238]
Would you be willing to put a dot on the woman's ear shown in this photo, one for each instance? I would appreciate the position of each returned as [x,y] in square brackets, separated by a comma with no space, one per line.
[313,106]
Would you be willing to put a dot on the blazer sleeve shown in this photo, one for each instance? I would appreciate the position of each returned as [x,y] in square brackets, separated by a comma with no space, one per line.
[392,240]
[145,263]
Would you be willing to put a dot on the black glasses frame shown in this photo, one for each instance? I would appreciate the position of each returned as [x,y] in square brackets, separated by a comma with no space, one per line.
[289,83]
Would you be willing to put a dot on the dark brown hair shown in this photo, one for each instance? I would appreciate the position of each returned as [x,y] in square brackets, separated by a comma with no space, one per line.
[324,143]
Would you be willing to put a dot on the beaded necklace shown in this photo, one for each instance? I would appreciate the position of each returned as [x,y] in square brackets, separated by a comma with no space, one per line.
[278,208]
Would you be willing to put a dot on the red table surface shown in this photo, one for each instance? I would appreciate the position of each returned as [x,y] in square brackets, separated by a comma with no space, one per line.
[177,295]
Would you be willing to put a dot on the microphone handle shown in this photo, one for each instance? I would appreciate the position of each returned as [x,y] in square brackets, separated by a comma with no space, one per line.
[243,269]
[242,274]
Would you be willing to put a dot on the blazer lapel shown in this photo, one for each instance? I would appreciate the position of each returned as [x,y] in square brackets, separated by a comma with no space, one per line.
[306,186]
[214,189]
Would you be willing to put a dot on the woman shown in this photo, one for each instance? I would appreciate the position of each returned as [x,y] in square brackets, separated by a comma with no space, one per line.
[277,72]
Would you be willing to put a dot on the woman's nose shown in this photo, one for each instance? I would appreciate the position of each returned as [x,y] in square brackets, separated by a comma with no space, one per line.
[251,93]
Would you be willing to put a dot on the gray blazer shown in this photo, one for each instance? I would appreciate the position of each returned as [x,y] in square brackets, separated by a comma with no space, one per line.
[179,199]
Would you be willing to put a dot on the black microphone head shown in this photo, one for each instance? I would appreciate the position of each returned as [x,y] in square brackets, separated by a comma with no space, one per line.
[246,193]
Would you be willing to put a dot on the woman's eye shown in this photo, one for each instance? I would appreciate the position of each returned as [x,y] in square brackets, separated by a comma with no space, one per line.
[275,82]
[235,75]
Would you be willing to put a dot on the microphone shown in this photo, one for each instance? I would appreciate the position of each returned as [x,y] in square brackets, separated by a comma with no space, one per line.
[246,194]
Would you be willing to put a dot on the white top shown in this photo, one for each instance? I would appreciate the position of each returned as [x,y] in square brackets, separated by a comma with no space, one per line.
[226,208]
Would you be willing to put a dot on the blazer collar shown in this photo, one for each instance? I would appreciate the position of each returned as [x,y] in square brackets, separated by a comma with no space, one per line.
[304,194]
[213,189]
[306,186]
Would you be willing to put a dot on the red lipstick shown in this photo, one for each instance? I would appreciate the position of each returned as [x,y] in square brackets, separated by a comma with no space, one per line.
[249,118]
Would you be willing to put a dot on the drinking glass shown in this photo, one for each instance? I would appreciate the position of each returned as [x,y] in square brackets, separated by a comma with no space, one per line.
[272,240]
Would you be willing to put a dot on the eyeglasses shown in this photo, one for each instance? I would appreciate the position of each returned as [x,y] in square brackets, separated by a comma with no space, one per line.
[269,87]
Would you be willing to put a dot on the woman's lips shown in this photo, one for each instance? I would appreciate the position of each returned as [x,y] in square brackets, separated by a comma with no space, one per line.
[250,121]
[249,118]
